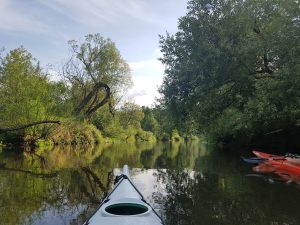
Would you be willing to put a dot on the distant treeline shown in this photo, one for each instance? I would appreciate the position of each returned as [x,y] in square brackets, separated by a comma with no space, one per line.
[233,69]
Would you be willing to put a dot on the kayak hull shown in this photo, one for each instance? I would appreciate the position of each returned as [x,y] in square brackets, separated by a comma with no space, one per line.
[263,155]
[286,172]
[266,155]
[125,205]
[284,166]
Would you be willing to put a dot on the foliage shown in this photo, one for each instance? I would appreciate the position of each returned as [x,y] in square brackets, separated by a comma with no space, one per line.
[124,125]
[25,94]
[232,69]
[175,135]
[130,115]
[160,121]
[142,135]
[72,132]
[149,122]
[96,72]
[60,95]
[95,79]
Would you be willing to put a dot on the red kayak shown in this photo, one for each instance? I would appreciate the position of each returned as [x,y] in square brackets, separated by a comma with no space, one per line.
[263,155]
[284,165]
[286,175]
[266,155]
[288,168]
[281,166]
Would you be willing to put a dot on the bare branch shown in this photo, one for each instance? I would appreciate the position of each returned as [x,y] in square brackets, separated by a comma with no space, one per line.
[4,130]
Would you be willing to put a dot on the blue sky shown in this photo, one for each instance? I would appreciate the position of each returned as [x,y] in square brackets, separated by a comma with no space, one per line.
[44,27]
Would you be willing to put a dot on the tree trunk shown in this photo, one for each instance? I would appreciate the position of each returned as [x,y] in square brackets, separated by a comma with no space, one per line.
[94,105]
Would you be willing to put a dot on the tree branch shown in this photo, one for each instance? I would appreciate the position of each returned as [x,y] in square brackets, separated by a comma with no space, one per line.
[104,100]
[4,130]
[88,98]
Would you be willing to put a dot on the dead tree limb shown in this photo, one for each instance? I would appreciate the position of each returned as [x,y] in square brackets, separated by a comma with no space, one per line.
[4,130]
[93,104]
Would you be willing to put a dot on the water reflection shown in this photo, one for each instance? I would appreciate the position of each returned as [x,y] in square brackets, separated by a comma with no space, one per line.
[49,187]
[186,182]
[290,174]
[199,198]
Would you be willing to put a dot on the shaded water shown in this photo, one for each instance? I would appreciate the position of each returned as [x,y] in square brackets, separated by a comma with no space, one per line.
[186,182]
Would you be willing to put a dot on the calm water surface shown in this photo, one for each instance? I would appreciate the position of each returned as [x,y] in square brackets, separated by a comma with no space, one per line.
[186,182]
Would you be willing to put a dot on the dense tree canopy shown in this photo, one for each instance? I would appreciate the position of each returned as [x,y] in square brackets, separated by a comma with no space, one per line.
[233,67]
[149,122]
[25,92]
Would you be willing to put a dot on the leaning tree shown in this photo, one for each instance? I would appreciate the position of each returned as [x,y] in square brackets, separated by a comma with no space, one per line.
[96,72]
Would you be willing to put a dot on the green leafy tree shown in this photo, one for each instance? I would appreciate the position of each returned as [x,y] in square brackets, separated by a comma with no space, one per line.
[125,122]
[24,94]
[96,72]
[224,62]
[60,95]
[130,115]
[149,122]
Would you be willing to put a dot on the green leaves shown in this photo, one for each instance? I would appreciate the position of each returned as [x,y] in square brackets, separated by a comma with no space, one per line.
[149,122]
[25,94]
[228,58]
[96,72]
[24,89]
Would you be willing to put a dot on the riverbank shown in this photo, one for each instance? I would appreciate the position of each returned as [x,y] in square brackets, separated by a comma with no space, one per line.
[76,133]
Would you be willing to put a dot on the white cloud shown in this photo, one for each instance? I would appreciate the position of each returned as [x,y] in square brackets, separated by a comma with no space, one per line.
[138,93]
[154,65]
[147,77]
[96,12]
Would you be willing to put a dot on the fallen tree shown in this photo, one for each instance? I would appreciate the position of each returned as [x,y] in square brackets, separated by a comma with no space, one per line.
[4,130]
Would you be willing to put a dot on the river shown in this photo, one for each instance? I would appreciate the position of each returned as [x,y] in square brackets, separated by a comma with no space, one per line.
[187,183]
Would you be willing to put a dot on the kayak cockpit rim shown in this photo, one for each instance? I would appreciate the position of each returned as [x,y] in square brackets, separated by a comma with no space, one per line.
[126,207]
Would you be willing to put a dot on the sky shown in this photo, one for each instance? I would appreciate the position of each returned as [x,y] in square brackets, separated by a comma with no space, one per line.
[44,27]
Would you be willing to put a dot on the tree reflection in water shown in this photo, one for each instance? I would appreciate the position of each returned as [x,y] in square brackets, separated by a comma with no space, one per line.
[197,198]
[34,191]
[188,183]
[60,185]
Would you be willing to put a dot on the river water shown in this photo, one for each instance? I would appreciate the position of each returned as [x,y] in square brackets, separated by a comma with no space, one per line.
[187,183]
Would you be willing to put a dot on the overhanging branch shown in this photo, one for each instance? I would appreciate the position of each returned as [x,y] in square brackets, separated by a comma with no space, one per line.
[4,130]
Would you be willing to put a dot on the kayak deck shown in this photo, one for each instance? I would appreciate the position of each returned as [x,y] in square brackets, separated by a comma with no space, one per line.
[125,205]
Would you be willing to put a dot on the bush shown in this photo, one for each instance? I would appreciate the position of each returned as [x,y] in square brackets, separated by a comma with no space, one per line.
[76,133]
[144,136]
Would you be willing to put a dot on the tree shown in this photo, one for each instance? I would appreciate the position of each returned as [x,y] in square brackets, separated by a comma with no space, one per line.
[96,71]
[131,115]
[149,122]
[224,54]
[125,122]
[25,99]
